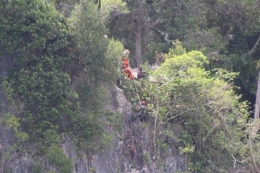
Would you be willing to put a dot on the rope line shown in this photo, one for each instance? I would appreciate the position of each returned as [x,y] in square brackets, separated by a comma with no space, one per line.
[137,93]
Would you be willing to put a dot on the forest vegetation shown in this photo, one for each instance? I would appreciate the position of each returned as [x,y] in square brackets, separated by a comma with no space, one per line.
[66,54]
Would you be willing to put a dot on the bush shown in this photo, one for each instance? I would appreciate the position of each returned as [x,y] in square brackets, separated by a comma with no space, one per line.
[37,168]
[57,158]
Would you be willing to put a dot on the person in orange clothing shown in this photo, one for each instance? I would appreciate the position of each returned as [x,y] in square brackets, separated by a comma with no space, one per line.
[125,63]
[132,150]
[126,66]
[142,112]
[129,73]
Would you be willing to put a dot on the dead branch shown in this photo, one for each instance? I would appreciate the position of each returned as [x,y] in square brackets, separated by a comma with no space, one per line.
[255,45]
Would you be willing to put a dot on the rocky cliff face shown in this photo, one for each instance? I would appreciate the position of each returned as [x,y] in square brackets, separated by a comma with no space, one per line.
[132,151]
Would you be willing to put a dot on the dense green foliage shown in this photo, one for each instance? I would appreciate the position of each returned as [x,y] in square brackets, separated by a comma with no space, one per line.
[197,111]
[57,158]
[225,31]
[204,106]
[65,55]
[59,67]
[37,35]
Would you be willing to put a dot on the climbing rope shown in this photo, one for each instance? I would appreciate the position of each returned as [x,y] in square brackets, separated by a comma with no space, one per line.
[137,93]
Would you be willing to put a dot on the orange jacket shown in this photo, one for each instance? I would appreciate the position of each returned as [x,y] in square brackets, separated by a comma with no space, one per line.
[126,67]
[125,63]
[129,73]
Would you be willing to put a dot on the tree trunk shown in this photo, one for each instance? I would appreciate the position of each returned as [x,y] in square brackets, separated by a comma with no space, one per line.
[138,46]
[138,32]
[256,114]
[155,123]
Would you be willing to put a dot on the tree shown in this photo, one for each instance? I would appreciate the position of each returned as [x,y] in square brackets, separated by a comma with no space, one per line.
[257,103]
[94,64]
[130,28]
[204,106]
[89,32]
[60,68]
[225,31]
[38,39]
[238,23]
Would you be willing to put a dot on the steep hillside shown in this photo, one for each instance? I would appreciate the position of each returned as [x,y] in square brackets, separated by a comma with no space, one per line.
[131,149]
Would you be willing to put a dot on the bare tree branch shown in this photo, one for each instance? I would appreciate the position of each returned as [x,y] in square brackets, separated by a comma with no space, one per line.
[211,130]
[116,14]
[166,38]
[257,4]
[255,45]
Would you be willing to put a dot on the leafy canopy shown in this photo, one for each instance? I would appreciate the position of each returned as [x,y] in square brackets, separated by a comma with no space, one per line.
[204,105]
